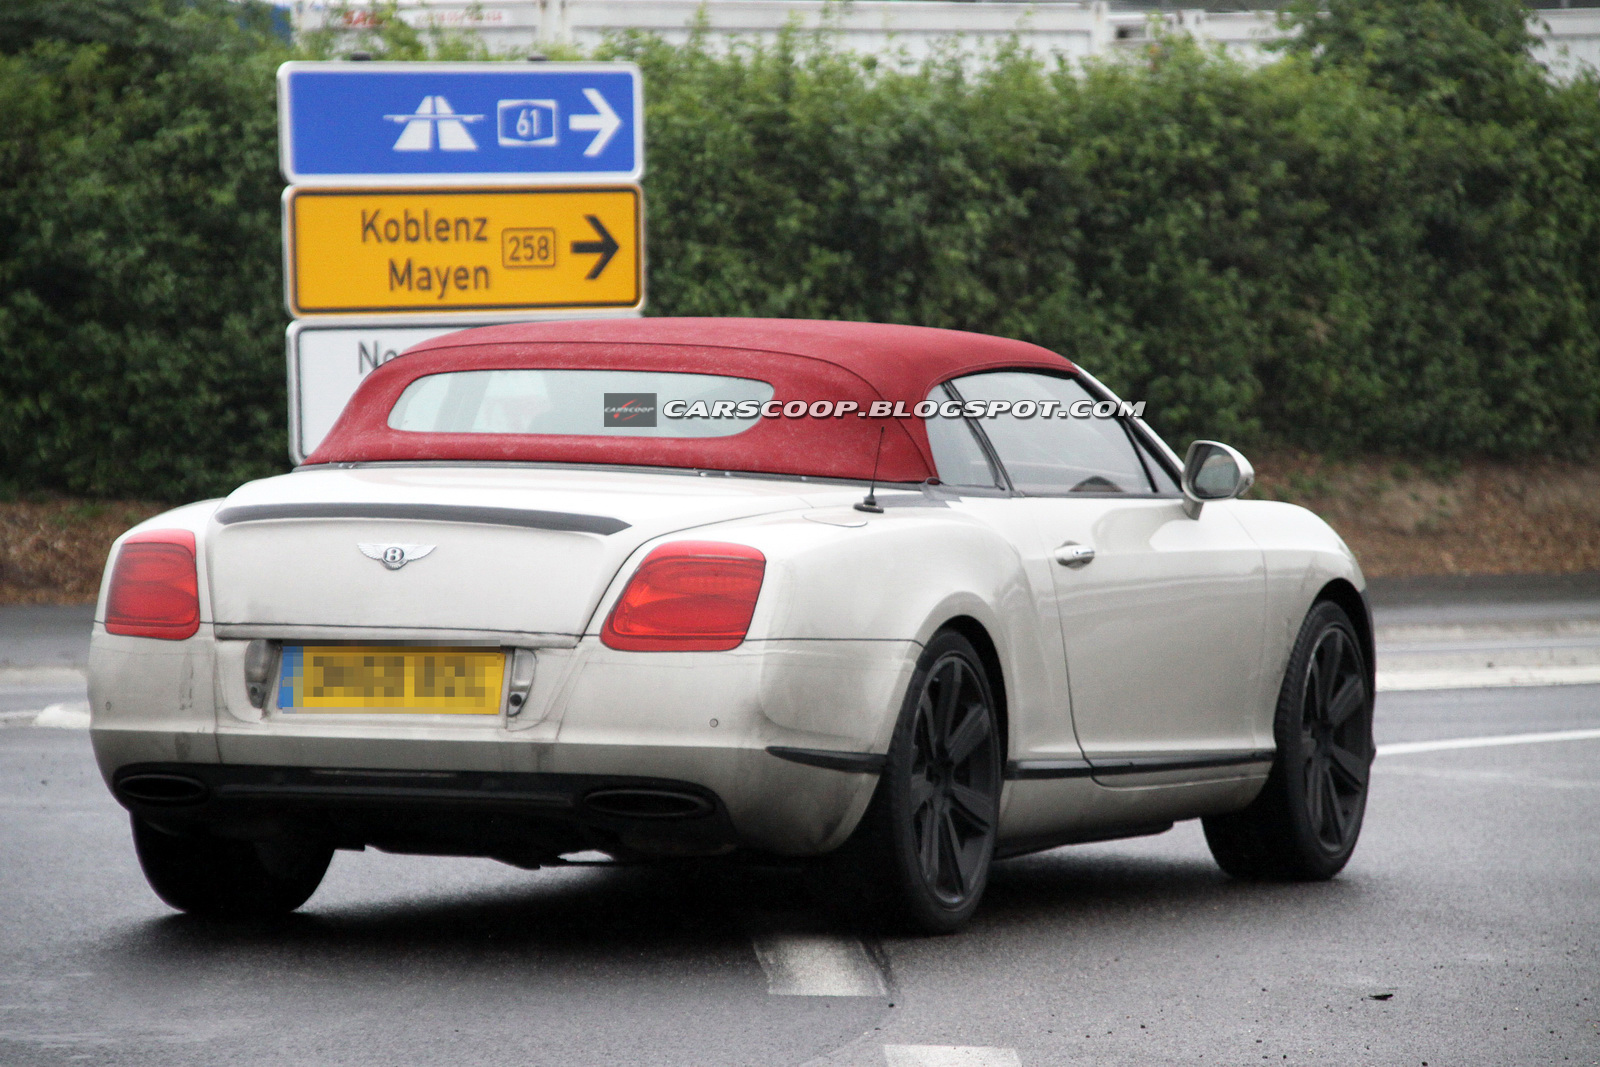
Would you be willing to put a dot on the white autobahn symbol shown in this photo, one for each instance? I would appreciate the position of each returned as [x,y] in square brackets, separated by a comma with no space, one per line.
[435,112]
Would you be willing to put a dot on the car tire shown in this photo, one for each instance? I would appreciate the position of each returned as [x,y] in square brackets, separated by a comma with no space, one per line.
[1304,824]
[928,837]
[225,879]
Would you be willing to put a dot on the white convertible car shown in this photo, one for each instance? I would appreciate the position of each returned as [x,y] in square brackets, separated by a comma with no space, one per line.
[912,599]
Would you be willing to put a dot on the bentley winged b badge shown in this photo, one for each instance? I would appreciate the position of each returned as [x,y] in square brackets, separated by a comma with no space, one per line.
[394,556]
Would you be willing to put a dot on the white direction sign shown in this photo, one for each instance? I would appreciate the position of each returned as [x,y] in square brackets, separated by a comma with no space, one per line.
[328,363]
[326,366]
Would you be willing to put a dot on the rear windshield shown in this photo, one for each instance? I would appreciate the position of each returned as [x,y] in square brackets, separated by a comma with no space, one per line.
[582,403]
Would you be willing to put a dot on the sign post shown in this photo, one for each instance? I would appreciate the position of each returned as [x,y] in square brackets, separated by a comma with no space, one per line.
[429,197]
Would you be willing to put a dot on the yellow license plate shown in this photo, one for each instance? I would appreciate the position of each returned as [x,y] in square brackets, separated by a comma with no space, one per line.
[385,678]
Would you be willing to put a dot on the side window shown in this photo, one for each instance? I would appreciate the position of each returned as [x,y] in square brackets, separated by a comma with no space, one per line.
[957,455]
[1049,455]
[1165,483]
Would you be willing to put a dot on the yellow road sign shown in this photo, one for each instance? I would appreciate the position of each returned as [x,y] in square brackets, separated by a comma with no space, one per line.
[415,251]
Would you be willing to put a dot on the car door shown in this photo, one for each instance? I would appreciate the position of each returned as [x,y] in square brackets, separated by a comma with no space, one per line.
[1042,726]
[1162,616]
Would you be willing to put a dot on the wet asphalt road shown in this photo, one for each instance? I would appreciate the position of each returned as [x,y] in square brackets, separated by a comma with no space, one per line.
[1466,930]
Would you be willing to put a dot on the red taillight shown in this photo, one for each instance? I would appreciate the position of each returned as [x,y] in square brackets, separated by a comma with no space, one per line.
[154,591]
[689,596]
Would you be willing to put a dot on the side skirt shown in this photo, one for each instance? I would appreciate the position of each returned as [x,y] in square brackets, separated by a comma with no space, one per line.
[1022,770]
[1022,846]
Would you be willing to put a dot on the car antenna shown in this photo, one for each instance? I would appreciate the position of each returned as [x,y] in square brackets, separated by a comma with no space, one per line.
[871,502]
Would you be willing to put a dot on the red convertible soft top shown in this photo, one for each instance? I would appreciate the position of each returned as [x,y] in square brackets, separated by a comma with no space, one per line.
[802,360]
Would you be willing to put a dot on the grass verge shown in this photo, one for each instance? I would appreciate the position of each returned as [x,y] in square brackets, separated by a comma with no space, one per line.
[52,550]
[1405,519]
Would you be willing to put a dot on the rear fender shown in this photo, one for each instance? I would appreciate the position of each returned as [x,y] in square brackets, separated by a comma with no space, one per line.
[151,699]
[845,611]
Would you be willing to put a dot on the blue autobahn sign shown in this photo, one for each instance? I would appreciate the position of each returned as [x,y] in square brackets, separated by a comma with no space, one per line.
[460,123]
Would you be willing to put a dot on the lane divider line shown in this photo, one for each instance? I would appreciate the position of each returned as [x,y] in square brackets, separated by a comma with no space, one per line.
[1487,677]
[1405,748]
[950,1056]
[818,965]
[43,677]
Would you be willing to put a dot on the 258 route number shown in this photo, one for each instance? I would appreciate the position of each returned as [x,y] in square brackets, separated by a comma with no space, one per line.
[526,248]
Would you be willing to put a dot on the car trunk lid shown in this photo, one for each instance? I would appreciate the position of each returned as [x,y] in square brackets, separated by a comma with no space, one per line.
[439,550]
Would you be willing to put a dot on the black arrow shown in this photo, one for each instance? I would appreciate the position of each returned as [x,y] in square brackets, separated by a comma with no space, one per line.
[605,248]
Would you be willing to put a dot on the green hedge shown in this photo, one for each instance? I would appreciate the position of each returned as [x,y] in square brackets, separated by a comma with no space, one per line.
[141,322]
[1388,240]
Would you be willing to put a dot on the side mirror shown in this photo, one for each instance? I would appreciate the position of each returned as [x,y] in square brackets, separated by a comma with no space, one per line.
[1213,471]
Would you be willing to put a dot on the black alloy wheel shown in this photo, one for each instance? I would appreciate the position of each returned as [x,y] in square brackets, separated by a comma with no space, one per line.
[1335,740]
[1306,820]
[936,811]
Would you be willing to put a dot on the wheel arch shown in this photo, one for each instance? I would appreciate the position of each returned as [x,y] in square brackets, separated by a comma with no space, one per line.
[988,655]
[1342,592]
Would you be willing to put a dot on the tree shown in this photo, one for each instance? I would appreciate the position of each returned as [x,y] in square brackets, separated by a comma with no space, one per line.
[1467,57]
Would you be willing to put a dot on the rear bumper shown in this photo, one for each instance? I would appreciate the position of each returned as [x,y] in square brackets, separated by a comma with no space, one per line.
[523,819]
[668,801]
[704,721]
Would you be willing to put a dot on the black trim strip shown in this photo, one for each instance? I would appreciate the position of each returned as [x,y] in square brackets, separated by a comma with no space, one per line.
[858,762]
[535,520]
[343,791]
[1023,769]
[1157,764]
[1021,846]
[1078,768]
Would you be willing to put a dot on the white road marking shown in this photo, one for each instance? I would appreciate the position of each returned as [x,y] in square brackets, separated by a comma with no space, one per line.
[818,965]
[950,1056]
[1453,773]
[74,716]
[1540,631]
[1487,677]
[43,677]
[1405,748]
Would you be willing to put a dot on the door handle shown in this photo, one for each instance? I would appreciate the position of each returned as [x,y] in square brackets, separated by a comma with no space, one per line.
[1073,554]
